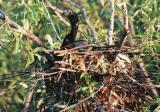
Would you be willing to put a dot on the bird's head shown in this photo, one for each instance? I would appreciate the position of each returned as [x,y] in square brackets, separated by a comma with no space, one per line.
[72,16]
[2,15]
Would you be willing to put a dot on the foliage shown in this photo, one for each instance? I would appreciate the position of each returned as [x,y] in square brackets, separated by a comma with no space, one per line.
[18,53]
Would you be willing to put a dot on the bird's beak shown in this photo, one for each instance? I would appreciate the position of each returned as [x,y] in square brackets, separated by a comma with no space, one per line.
[69,12]
[2,15]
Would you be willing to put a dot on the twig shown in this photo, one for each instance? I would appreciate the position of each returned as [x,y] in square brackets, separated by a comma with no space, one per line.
[3,92]
[122,17]
[157,109]
[55,8]
[64,69]
[58,12]
[61,18]
[132,27]
[119,3]
[64,63]
[44,74]
[148,80]
[126,27]
[52,24]
[82,9]
[102,2]
[20,29]
[133,80]
[110,36]
[72,106]
[28,100]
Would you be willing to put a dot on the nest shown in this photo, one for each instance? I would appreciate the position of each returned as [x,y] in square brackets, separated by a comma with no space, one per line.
[122,87]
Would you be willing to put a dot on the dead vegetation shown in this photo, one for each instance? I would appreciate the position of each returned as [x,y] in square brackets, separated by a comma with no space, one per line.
[123,83]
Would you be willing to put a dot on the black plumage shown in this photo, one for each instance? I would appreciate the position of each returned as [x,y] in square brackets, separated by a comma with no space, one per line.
[69,40]
[2,15]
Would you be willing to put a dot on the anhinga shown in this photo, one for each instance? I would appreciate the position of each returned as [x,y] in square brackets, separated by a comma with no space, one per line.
[69,40]
[2,16]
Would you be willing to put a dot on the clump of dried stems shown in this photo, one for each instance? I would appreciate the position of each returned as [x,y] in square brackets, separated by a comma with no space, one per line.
[124,86]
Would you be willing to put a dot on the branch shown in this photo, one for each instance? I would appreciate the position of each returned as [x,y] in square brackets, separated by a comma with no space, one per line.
[58,12]
[28,100]
[72,106]
[20,29]
[82,9]
[126,28]
[50,19]
[61,18]
[110,38]
[55,8]
[148,80]
[5,91]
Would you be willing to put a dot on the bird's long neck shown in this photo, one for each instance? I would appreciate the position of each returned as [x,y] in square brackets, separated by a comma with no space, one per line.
[71,36]
[73,32]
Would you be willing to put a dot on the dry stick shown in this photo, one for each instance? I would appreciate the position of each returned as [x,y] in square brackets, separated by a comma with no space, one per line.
[120,15]
[64,69]
[3,92]
[102,2]
[20,29]
[157,109]
[50,19]
[131,24]
[82,9]
[65,63]
[72,106]
[148,80]
[90,45]
[28,100]
[61,18]
[126,27]
[110,35]
[134,80]
[58,12]
[61,53]
[55,8]
[141,62]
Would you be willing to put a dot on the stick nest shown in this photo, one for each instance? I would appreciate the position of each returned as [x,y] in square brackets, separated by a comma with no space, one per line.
[123,87]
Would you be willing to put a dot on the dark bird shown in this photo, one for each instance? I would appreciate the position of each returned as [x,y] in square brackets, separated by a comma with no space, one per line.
[69,40]
[2,15]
